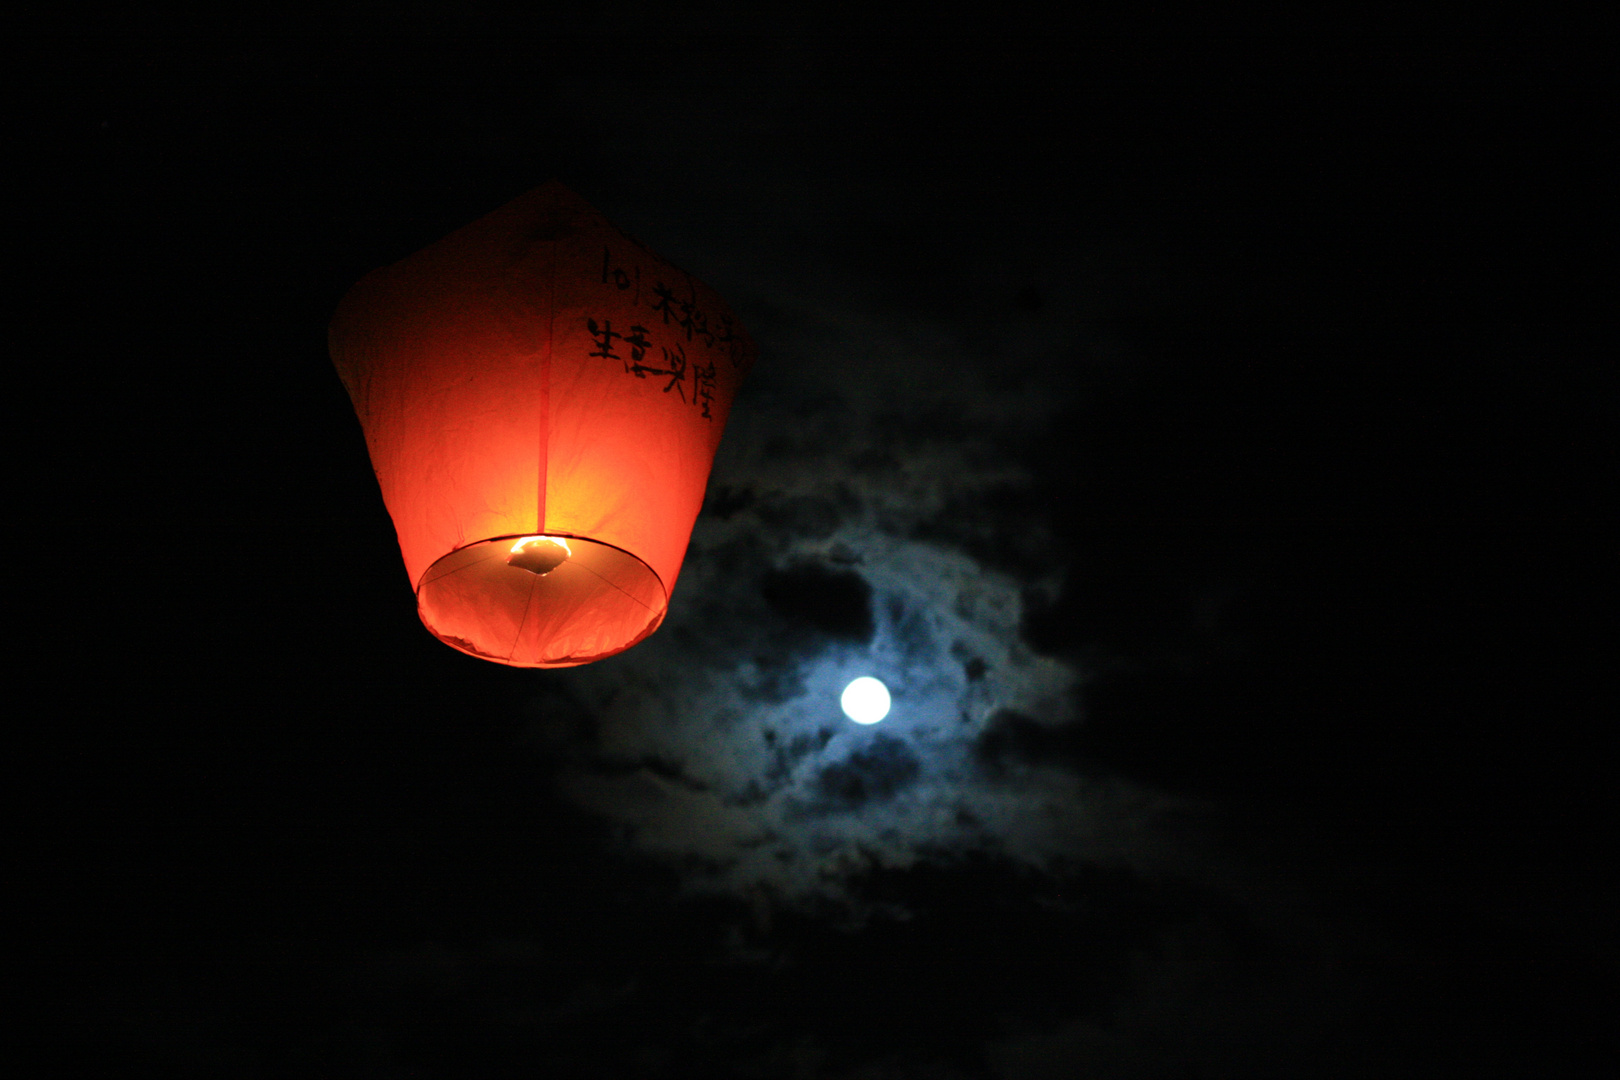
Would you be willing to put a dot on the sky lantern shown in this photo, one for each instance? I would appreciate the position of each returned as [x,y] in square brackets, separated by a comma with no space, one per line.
[542,398]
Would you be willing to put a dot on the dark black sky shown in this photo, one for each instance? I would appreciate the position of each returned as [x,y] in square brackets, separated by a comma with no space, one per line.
[1202,427]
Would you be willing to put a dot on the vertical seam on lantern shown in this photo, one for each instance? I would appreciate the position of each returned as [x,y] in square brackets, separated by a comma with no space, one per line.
[545,373]
[534,587]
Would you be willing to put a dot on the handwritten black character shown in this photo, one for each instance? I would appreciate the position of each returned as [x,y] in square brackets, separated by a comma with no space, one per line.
[617,275]
[676,359]
[698,324]
[685,313]
[637,340]
[703,377]
[666,304]
[604,336]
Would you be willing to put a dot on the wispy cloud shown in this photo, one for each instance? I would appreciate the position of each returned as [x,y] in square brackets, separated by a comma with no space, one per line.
[851,530]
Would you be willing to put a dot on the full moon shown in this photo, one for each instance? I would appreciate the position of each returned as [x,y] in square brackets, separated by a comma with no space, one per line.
[865,701]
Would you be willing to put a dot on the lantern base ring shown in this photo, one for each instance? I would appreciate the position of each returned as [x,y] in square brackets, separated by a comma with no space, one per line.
[600,601]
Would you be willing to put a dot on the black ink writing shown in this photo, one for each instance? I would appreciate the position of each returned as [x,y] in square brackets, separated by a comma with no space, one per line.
[604,336]
[618,276]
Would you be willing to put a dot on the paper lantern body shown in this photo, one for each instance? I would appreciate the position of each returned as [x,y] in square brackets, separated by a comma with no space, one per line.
[540,374]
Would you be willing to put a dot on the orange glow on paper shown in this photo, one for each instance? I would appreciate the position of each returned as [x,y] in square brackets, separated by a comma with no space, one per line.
[542,399]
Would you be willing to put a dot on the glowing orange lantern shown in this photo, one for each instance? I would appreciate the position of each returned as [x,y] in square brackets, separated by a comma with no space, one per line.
[542,398]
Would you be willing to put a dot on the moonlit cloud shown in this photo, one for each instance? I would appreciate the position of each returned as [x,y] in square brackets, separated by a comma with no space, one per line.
[828,551]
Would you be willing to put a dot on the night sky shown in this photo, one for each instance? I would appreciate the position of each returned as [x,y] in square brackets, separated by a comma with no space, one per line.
[1203,429]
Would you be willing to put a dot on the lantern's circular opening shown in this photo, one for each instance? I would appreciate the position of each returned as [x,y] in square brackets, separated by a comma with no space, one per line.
[540,601]
[866,700]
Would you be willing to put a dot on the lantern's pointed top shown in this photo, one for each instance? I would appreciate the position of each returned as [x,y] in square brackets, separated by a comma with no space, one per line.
[547,212]
[557,186]
[555,192]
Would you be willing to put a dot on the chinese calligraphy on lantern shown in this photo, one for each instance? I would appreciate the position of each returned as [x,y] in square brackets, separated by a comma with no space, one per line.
[677,344]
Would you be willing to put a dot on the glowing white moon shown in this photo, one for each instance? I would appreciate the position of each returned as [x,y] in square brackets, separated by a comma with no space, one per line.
[865,701]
